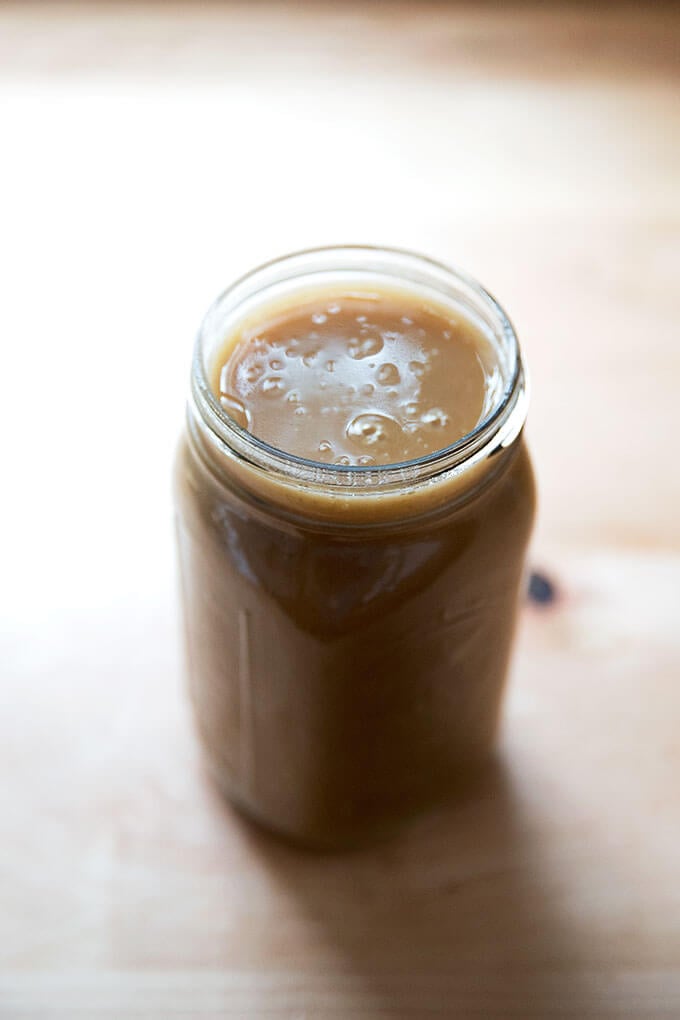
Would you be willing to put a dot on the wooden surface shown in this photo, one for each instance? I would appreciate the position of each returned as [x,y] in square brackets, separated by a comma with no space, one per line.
[148,155]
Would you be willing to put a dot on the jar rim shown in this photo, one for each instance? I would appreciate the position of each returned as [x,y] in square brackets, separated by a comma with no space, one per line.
[499,427]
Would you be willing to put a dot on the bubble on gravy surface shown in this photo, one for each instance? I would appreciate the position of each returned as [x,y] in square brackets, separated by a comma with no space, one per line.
[357,379]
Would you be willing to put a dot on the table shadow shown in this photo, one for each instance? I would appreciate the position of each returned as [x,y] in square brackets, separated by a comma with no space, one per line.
[457,917]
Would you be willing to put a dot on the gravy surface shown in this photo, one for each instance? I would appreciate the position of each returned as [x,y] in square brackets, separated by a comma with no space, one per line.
[357,378]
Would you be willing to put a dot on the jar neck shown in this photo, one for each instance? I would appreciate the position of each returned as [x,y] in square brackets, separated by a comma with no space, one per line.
[349,493]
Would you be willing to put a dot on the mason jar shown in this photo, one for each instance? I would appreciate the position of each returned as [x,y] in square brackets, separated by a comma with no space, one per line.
[348,629]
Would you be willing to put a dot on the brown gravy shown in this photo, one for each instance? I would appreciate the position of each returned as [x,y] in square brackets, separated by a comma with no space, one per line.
[357,379]
[347,654]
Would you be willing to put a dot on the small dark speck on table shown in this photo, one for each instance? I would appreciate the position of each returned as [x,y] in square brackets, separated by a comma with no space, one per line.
[542,591]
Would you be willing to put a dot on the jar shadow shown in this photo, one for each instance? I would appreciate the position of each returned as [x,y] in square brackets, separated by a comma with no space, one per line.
[457,917]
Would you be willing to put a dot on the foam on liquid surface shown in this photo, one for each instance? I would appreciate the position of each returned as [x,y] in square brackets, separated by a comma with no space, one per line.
[357,379]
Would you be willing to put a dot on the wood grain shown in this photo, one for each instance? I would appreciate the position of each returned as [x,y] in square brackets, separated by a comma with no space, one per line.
[152,152]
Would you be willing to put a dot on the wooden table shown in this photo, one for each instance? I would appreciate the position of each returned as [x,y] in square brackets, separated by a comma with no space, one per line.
[150,153]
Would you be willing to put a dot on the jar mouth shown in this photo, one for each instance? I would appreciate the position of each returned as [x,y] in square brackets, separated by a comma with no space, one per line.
[360,265]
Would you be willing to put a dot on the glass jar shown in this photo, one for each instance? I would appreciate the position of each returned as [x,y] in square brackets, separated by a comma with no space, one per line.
[348,629]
